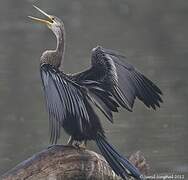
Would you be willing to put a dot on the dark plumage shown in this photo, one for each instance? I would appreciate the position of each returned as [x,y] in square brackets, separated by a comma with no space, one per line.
[109,83]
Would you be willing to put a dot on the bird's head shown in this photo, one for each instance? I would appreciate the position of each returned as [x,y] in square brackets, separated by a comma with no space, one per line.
[52,22]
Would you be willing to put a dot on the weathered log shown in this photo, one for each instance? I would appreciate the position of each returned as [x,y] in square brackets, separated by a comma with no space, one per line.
[67,163]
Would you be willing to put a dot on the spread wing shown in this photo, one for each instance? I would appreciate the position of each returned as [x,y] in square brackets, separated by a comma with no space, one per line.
[121,79]
[65,102]
[69,104]
[108,83]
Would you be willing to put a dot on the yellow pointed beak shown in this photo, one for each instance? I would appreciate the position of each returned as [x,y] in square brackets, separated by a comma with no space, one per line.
[48,22]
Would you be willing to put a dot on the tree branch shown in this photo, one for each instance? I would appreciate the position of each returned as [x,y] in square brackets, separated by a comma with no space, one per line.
[64,162]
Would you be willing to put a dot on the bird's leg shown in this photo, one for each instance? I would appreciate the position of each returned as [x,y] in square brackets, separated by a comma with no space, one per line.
[73,143]
[83,144]
[77,144]
[70,141]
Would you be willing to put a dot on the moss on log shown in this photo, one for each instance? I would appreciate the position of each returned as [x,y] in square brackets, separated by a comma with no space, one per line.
[67,163]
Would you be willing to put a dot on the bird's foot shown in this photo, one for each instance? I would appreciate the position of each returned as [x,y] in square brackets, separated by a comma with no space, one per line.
[77,144]
[81,145]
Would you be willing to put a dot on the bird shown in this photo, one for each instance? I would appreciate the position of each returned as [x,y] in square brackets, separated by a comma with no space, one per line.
[110,82]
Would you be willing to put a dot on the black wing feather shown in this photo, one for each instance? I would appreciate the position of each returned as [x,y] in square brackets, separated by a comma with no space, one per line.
[135,84]
[64,101]
[121,79]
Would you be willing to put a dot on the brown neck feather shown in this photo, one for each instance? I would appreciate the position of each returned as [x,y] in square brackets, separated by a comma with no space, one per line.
[55,57]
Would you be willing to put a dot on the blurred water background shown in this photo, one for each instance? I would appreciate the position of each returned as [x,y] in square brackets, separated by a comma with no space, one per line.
[152,34]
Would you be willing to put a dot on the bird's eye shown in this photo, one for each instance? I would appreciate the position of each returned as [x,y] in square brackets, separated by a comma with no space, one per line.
[53,18]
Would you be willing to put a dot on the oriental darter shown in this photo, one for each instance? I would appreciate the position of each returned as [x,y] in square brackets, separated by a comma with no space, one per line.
[109,83]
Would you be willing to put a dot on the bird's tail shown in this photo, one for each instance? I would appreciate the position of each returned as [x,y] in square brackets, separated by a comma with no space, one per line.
[120,165]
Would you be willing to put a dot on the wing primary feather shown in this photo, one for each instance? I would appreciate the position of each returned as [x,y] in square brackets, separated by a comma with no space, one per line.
[146,96]
[152,92]
[141,94]
[152,86]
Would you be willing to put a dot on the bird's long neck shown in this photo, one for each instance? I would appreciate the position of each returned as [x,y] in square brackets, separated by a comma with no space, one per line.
[55,57]
[60,48]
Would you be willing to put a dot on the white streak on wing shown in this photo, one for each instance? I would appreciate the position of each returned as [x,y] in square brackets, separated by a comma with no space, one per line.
[113,68]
